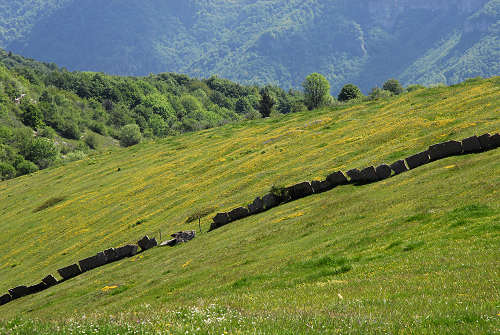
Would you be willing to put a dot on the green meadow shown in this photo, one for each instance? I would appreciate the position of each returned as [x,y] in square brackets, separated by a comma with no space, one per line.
[414,254]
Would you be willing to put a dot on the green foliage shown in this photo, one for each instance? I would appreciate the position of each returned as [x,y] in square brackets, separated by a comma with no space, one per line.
[266,103]
[42,151]
[378,93]
[393,85]
[130,135]
[32,116]
[92,141]
[349,92]
[26,167]
[316,90]
[414,87]
[7,171]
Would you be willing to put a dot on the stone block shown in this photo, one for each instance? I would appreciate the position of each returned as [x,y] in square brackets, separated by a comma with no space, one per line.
[445,149]
[368,175]
[128,250]
[93,262]
[4,299]
[485,141]
[19,292]
[321,186]
[256,206]
[354,175]
[383,171]
[69,271]
[169,243]
[337,178]
[221,219]
[147,243]
[301,190]
[49,281]
[270,200]
[417,160]
[184,236]
[111,255]
[37,288]
[495,141]
[471,144]
[399,167]
[238,213]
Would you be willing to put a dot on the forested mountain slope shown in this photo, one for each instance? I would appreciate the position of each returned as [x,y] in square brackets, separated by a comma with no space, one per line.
[416,253]
[262,42]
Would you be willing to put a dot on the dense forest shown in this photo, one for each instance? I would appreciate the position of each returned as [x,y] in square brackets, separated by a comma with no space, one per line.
[259,41]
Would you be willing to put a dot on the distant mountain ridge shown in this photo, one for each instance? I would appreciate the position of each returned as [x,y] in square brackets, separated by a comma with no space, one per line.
[279,42]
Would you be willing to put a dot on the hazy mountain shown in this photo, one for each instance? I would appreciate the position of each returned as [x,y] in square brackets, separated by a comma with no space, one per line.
[259,41]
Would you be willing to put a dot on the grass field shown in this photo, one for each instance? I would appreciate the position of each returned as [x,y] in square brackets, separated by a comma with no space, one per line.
[415,254]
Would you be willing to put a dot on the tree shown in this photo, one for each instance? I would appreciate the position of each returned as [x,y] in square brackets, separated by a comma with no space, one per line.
[316,90]
[7,171]
[130,135]
[41,151]
[349,92]
[243,106]
[393,85]
[266,103]
[32,116]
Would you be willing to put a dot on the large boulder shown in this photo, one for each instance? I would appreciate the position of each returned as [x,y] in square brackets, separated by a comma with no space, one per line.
[147,243]
[301,190]
[270,200]
[337,178]
[93,262]
[485,141]
[111,255]
[354,175]
[169,243]
[5,299]
[368,175]
[49,281]
[417,160]
[37,288]
[399,167]
[128,250]
[471,145]
[445,149]
[19,292]
[321,186]
[238,213]
[495,140]
[69,271]
[383,171]
[256,206]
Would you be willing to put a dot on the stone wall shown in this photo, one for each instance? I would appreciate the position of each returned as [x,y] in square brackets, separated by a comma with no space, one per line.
[367,175]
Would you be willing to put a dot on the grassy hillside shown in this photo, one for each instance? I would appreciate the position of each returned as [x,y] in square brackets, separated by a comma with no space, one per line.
[417,253]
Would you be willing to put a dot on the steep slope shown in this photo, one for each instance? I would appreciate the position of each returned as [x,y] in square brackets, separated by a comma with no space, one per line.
[415,253]
[365,42]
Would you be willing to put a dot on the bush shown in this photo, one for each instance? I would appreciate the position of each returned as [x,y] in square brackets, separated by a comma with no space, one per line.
[32,116]
[26,167]
[393,85]
[70,129]
[378,93]
[41,151]
[349,92]
[75,156]
[92,141]
[414,87]
[130,135]
[47,132]
[7,171]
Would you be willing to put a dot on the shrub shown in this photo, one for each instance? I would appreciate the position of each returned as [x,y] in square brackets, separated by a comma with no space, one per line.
[32,116]
[41,151]
[26,167]
[47,132]
[414,87]
[70,129]
[7,171]
[130,135]
[393,85]
[92,141]
[349,92]
[378,93]
[75,156]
